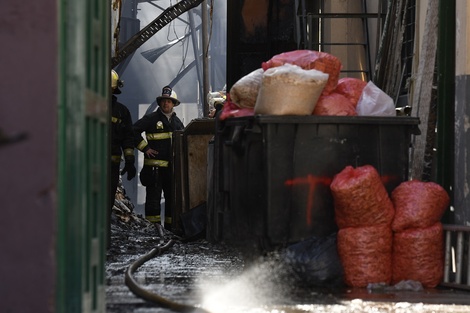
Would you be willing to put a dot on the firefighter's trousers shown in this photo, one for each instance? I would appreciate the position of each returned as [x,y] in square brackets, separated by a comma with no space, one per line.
[154,195]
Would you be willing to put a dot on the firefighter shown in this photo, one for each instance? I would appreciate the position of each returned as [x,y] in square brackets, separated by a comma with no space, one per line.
[157,148]
[122,140]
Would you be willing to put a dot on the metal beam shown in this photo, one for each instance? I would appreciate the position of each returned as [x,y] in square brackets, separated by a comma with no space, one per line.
[148,31]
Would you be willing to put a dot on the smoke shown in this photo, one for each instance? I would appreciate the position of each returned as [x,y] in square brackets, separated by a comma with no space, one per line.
[144,80]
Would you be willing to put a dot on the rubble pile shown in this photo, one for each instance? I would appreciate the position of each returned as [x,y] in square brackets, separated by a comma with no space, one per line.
[131,233]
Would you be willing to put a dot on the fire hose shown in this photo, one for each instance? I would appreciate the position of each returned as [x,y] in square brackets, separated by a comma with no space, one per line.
[150,296]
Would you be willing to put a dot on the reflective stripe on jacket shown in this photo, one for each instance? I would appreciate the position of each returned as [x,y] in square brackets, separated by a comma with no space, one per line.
[158,136]
[122,135]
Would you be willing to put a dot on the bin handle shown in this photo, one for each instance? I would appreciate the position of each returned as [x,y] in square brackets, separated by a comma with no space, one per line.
[253,128]
[415,130]
[236,136]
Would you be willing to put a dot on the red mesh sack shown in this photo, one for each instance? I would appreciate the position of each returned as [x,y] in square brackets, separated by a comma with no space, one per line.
[418,204]
[418,254]
[351,88]
[231,109]
[360,198]
[366,254]
[334,104]
[309,59]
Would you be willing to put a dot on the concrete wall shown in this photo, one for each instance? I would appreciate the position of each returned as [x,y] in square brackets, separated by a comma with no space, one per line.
[28,105]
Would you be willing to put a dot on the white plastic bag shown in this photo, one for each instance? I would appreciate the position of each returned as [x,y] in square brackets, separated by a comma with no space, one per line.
[375,102]
[245,91]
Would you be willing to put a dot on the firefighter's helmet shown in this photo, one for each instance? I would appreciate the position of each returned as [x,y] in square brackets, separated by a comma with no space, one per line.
[168,93]
[116,83]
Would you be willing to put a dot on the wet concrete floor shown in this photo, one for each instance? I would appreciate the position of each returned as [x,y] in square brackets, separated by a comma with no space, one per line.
[216,278]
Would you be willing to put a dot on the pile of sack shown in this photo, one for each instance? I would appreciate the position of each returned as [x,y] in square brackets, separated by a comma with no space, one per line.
[305,82]
[388,239]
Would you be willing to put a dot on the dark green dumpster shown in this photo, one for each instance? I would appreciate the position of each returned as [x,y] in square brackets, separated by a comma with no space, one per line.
[272,173]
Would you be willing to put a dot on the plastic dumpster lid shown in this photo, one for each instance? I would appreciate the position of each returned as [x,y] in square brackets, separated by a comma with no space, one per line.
[315,119]
[199,127]
[337,119]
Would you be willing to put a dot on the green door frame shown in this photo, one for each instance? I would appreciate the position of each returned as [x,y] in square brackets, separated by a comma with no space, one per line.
[84,45]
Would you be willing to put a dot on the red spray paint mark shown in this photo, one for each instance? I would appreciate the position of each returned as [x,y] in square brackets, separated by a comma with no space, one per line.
[312,182]
[386,179]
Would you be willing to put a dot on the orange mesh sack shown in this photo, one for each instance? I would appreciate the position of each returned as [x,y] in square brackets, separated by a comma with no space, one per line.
[360,198]
[418,254]
[366,254]
[351,88]
[334,104]
[418,204]
[308,60]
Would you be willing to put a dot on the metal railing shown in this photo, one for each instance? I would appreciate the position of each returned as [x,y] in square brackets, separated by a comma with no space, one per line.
[318,24]
[457,257]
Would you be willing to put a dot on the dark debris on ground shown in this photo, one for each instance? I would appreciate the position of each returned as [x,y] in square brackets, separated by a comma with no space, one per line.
[132,237]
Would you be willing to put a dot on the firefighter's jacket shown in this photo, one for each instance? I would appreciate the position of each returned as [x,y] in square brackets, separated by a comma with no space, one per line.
[122,136]
[158,136]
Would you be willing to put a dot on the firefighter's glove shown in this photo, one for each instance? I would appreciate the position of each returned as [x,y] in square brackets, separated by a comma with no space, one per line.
[129,168]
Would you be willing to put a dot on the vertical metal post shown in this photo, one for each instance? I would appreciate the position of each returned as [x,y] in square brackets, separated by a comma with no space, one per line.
[446,96]
[459,258]
[448,256]
[196,53]
[205,59]
[468,261]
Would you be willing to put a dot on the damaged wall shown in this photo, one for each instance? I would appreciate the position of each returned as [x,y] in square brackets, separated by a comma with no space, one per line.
[28,110]
[462,116]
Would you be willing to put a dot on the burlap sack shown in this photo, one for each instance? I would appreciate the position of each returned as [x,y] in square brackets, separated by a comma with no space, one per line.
[289,90]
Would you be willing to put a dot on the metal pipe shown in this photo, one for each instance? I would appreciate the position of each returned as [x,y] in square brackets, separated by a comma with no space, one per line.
[196,58]
[205,59]
[456,228]
[468,262]
[445,96]
[447,262]
[459,256]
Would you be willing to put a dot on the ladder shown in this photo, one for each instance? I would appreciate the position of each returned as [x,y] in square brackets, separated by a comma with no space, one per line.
[311,23]
[151,29]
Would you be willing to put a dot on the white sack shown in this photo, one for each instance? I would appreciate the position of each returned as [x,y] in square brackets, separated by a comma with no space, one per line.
[245,91]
